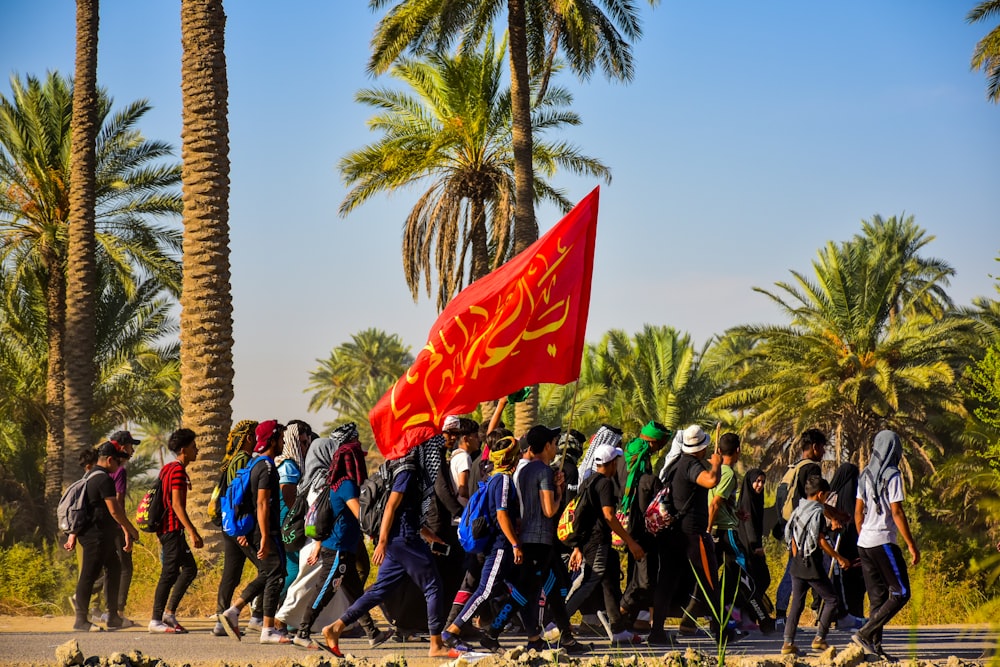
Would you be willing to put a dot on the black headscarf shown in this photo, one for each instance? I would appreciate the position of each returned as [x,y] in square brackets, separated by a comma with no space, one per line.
[845,485]
[751,530]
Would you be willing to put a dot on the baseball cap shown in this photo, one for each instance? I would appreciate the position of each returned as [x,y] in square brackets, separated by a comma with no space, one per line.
[123,438]
[265,430]
[108,448]
[606,454]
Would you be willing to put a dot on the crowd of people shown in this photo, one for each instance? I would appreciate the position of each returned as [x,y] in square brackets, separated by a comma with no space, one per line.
[563,522]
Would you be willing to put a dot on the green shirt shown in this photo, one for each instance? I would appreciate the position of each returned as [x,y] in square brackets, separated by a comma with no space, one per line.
[725,515]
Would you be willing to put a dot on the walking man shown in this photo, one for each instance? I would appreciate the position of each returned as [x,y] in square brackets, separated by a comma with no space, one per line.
[179,567]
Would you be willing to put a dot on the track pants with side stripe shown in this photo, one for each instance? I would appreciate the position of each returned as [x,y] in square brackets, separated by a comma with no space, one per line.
[888,584]
[492,582]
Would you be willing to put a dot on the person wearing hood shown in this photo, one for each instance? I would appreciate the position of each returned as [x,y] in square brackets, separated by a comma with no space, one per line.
[879,518]
[316,467]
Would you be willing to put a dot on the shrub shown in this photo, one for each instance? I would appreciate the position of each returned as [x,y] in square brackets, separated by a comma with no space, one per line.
[32,580]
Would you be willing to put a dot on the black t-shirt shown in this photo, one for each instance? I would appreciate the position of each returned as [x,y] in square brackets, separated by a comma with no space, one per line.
[100,487]
[601,494]
[690,498]
[264,475]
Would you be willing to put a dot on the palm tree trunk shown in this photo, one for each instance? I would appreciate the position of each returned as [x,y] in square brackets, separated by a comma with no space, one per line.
[81,267]
[525,227]
[206,301]
[55,298]
[480,265]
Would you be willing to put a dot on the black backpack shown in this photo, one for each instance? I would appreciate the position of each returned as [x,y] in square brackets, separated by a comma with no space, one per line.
[373,496]
[293,528]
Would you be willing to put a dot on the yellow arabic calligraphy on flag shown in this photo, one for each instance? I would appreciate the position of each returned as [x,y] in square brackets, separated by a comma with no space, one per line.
[522,324]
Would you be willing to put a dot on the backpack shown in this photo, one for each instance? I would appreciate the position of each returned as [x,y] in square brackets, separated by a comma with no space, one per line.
[151,511]
[785,495]
[373,496]
[293,528]
[319,519]
[235,506]
[576,520]
[214,502]
[662,512]
[74,512]
[475,527]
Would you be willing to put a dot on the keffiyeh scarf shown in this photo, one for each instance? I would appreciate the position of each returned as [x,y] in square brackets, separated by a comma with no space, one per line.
[240,432]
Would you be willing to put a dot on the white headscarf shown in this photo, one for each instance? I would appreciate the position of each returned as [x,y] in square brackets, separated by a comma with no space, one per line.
[292,450]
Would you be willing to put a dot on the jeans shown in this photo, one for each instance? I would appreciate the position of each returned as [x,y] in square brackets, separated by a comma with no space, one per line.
[270,572]
[601,567]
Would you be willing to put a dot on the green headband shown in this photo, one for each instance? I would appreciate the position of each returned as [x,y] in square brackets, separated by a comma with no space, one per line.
[651,430]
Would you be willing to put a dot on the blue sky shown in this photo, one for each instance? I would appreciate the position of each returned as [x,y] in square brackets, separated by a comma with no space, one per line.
[752,134]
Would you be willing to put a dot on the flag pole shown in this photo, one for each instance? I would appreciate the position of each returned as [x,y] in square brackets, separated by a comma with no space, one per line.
[569,427]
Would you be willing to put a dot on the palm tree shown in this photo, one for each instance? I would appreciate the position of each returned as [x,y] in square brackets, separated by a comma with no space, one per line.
[843,363]
[137,380]
[357,374]
[206,301]
[652,375]
[591,32]
[81,254]
[986,57]
[133,188]
[455,134]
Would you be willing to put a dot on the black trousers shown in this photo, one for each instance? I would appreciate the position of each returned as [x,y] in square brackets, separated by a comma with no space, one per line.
[541,569]
[642,574]
[822,589]
[176,574]
[600,568]
[125,581]
[99,555]
[888,584]
[338,569]
[270,572]
[233,560]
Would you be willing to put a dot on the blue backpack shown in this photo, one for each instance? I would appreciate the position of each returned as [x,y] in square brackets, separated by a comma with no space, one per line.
[238,516]
[475,527]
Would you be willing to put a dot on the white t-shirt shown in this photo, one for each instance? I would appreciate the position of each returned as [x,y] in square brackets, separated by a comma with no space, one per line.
[878,529]
[460,462]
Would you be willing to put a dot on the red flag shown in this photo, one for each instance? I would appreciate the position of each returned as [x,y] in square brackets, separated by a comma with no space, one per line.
[522,324]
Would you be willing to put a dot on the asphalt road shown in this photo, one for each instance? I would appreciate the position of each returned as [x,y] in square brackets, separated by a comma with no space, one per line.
[37,643]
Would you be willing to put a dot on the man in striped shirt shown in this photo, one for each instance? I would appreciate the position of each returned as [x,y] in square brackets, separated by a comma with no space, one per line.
[179,567]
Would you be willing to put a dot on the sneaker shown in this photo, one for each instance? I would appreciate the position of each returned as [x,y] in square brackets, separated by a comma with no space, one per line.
[120,623]
[160,628]
[491,643]
[687,628]
[552,633]
[819,644]
[230,620]
[779,622]
[218,630]
[576,648]
[454,643]
[305,642]
[789,649]
[380,638]
[256,623]
[766,626]
[625,637]
[86,626]
[660,639]
[538,645]
[602,616]
[273,636]
[171,620]
[870,648]
[591,626]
